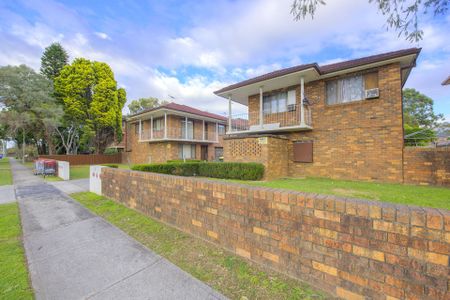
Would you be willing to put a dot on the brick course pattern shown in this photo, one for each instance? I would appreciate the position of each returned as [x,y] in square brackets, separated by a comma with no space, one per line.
[427,166]
[353,249]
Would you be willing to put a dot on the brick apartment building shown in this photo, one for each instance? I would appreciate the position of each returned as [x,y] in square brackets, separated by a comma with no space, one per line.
[174,131]
[342,120]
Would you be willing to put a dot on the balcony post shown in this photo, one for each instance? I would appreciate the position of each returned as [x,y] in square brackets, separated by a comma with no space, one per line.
[165,125]
[151,127]
[185,128]
[140,129]
[302,96]
[229,114]
[217,132]
[261,121]
[203,130]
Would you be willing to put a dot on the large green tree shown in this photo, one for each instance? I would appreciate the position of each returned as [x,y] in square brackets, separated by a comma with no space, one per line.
[92,102]
[53,60]
[401,15]
[28,106]
[141,104]
[418,110]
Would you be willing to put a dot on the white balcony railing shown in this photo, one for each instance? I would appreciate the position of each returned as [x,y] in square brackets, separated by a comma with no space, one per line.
[179,134]
[289,119]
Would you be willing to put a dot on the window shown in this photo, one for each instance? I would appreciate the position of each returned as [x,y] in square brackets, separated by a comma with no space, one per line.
[186,151]
[351,88]
[190,129]
[158,124]
[221,129]
[275,103]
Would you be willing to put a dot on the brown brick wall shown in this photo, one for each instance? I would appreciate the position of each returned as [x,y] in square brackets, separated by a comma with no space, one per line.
[348,248]
[269,150]
[427,166]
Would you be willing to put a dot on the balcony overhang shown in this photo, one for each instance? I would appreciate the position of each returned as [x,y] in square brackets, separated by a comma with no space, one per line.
[241,94]
[271,130]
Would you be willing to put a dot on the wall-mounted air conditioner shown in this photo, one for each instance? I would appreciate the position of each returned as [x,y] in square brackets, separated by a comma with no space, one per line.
[372,93]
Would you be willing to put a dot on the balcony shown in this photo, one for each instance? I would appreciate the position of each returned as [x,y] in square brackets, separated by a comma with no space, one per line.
[194,135]
[289,120]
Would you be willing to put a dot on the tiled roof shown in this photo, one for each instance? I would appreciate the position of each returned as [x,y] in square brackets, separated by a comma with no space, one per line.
[330,68]
[184,108]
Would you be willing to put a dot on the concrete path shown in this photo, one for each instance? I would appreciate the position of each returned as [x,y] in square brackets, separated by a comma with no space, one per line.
[72,186]
[73,254]
[7,194]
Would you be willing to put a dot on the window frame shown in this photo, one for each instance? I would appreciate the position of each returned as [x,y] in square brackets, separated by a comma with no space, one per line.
[342,78]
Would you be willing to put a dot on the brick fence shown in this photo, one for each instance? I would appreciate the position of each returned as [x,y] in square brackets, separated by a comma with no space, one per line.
[88,159]
[426,166]
[348,248]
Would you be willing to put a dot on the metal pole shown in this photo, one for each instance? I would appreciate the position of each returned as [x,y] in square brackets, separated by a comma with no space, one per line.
[261,121]
[229,114]
[302,96]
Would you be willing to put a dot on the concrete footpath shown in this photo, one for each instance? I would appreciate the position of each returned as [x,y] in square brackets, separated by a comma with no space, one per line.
[73,254]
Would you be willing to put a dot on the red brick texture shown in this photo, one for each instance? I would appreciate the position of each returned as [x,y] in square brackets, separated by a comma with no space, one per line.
[349,248]
[427,166]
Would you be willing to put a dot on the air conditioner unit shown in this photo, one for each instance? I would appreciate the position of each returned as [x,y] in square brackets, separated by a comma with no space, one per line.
[372,93]
[291,107]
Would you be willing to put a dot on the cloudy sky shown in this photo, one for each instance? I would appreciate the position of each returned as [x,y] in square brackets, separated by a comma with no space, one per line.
[187,49]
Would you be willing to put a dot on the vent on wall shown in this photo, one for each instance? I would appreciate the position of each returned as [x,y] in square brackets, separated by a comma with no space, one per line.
[303,151]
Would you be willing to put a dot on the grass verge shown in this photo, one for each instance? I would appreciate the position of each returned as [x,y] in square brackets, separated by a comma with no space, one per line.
[229,274]
[5,172]
[14,282]
[438,197]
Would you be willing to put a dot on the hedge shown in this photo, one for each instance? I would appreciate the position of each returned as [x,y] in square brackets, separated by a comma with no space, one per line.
[115,166]
[224,170]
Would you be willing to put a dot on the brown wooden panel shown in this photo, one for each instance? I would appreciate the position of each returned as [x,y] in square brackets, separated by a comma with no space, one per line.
[303,151]
[371,80]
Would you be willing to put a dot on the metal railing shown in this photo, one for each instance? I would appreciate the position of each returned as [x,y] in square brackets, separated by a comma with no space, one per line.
[196,134]
[289,118]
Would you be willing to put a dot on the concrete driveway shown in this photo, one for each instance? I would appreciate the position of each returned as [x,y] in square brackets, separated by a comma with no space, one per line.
[73,254]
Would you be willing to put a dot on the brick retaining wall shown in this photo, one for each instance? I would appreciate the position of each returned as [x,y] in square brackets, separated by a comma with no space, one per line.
[427,166]
[348,248]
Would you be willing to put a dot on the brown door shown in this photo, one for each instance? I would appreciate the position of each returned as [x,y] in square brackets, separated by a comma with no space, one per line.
[204,152]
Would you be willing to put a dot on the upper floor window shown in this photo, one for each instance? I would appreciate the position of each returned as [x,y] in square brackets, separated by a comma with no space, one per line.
[158,124]
[351,88]
[221,129]
[278,102]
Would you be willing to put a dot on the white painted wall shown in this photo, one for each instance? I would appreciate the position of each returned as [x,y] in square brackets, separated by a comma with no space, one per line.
[95,182]
[63,170]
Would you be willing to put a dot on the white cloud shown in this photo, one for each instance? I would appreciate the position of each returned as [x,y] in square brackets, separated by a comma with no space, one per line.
[102,35]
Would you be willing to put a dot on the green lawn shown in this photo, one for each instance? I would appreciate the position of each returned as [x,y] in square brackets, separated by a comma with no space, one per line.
[14,281]
[438,197]
[5,172]
[227,273]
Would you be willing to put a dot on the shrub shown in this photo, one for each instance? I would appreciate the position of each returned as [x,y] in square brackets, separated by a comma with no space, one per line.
[242,171]
[182,161]
[182,169]
[232,170]
[111,166]
[110,151]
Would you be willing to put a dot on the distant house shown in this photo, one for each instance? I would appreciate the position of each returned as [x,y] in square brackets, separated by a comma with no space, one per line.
[174,131]
[341,120]
[446,81]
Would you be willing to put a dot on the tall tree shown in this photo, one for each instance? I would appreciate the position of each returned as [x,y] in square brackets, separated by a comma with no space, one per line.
[141,104]
[418,110]
[53,60]
[92,101]
[401,15]
[29,106]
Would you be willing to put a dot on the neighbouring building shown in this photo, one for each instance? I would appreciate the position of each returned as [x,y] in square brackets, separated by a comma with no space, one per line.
[174,131]
[341,120]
